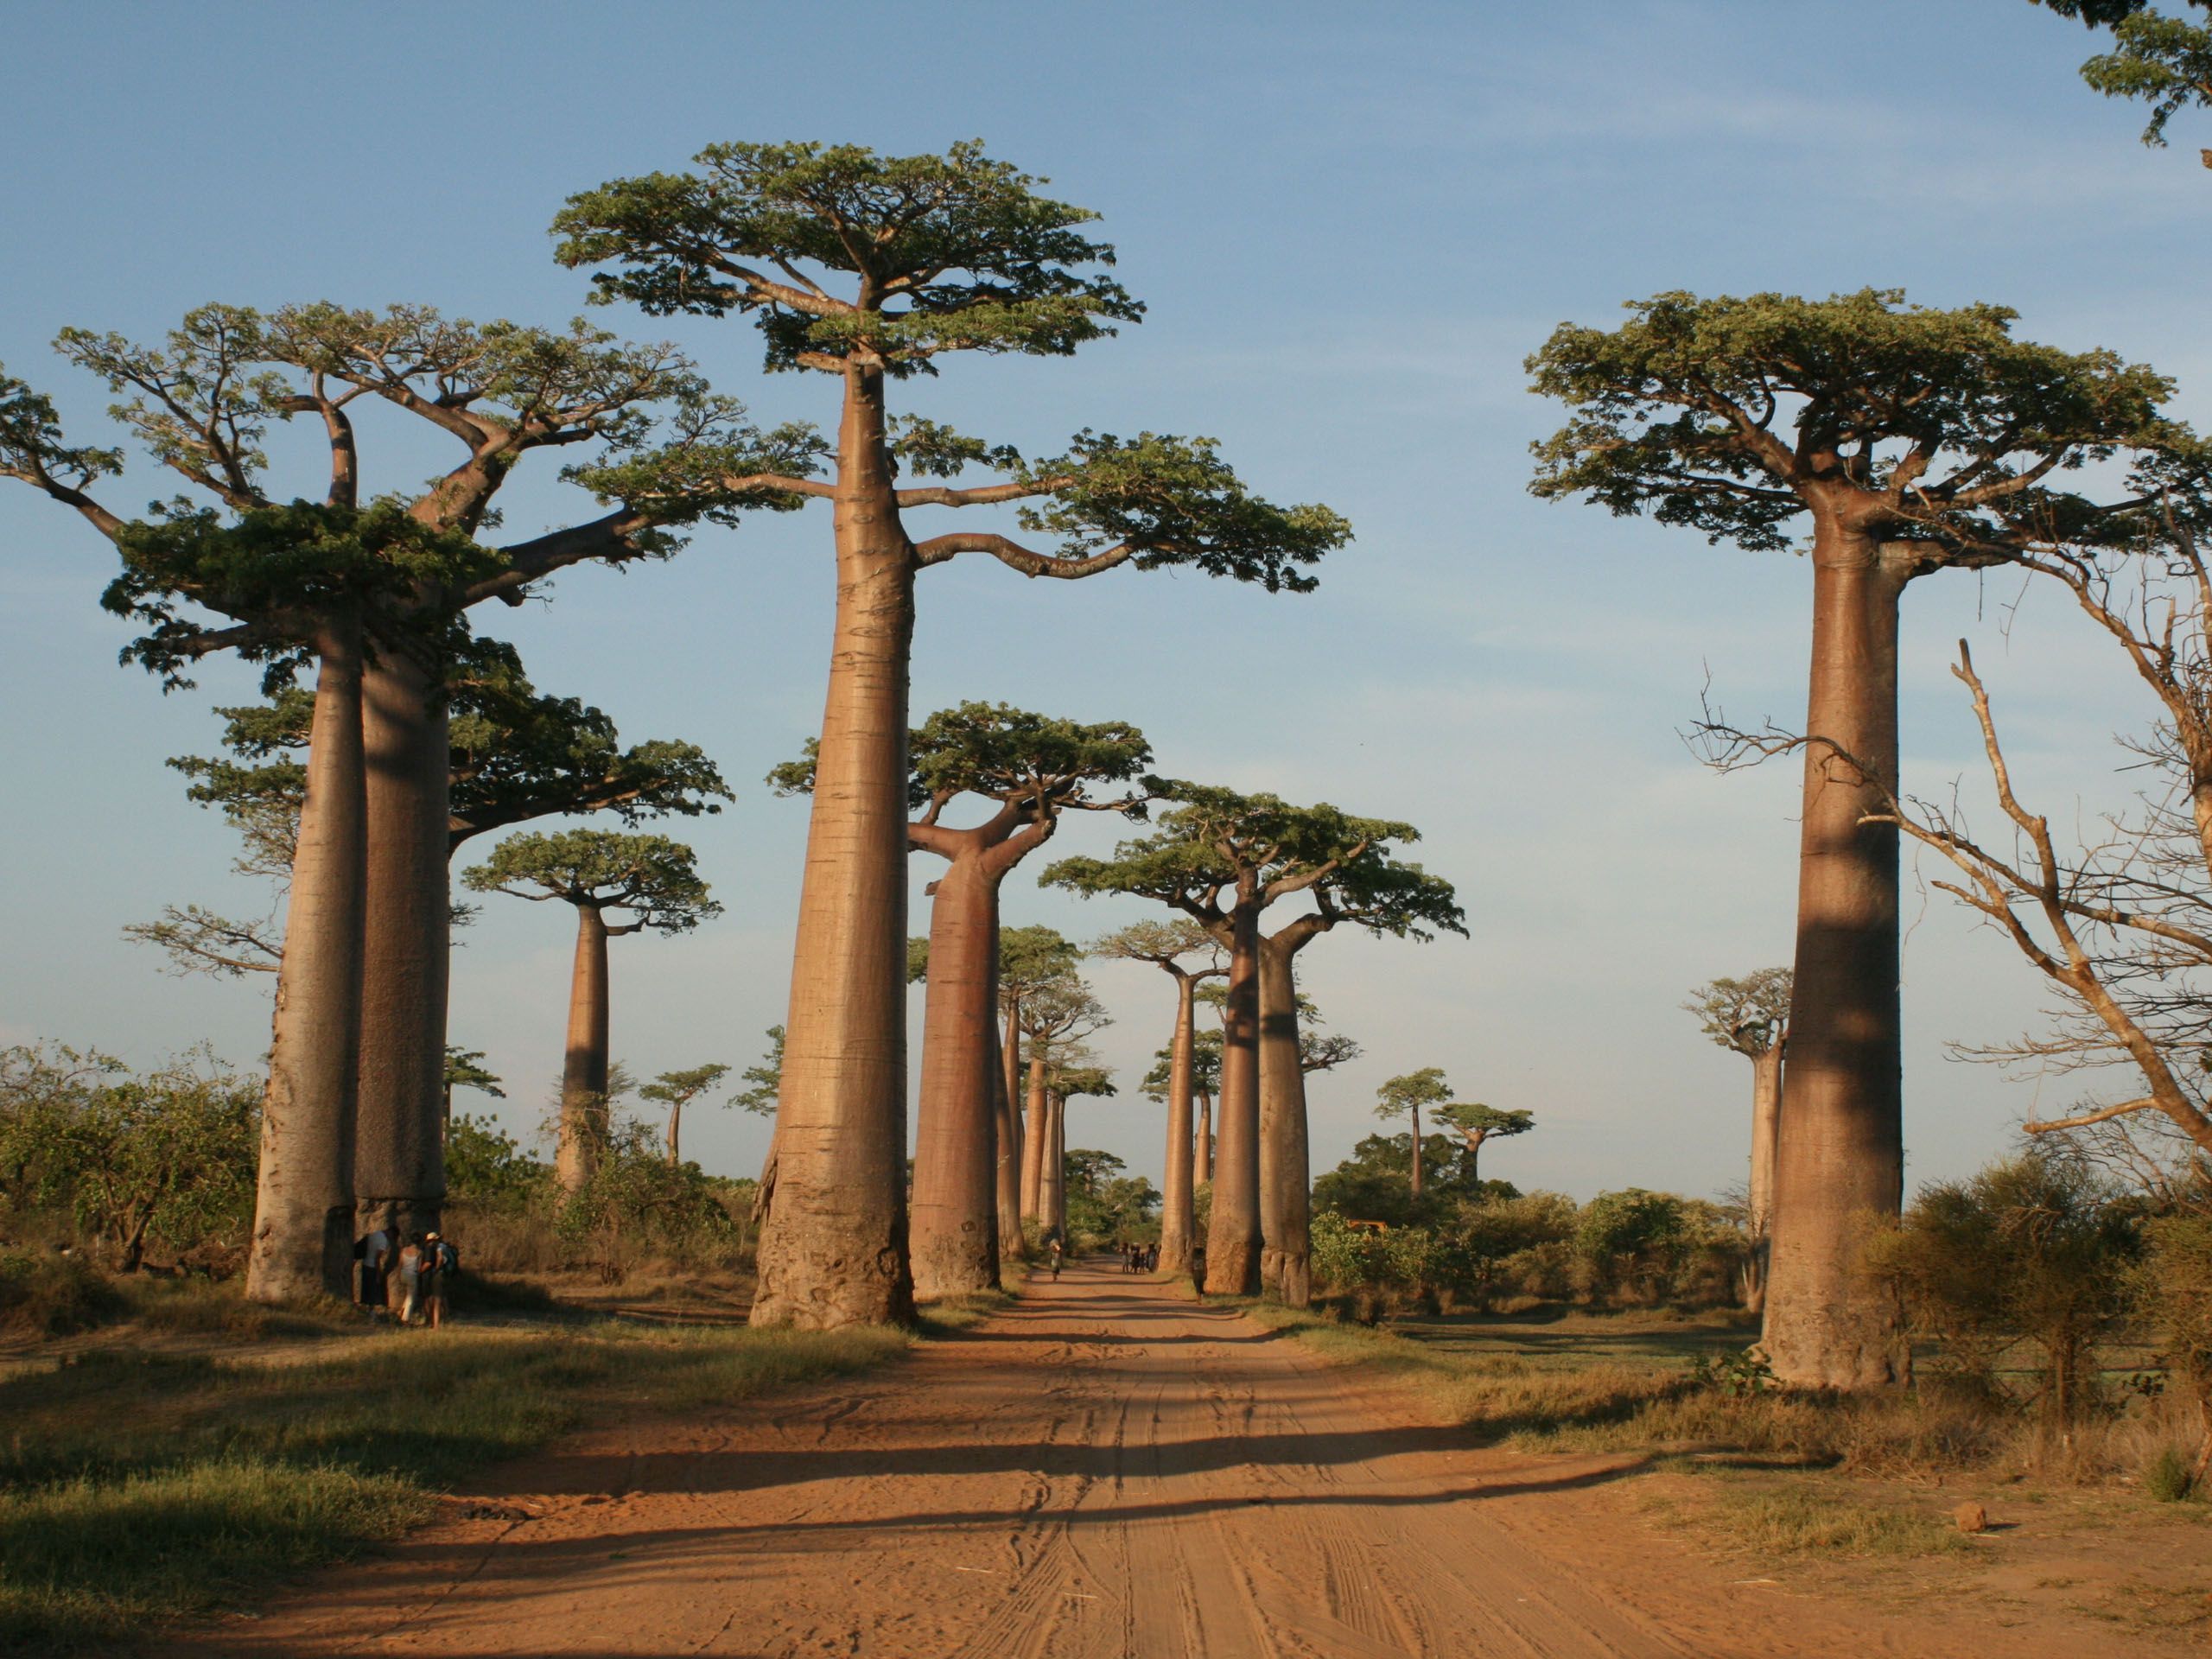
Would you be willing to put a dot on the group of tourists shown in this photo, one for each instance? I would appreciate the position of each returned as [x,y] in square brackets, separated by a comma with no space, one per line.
[404,1276]
[1141,1258]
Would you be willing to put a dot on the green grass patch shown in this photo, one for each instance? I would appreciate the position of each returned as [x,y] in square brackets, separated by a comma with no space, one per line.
[135,1488]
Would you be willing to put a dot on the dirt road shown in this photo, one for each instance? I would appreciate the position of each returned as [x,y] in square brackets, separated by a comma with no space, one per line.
[1105,1470]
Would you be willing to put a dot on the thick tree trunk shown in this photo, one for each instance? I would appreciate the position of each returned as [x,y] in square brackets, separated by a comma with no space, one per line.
[1286,1221]
[1202,1145]
[1036,1144]
[399,1176]
[955,1247]
[1056,1162]
[675,1132]
[1416,1115]
[1177,1226]
[1766,1124]
[583,1071]
[303,1207]
[1233,1230]
[1840,1156]
[833,1250]
[1005,1090]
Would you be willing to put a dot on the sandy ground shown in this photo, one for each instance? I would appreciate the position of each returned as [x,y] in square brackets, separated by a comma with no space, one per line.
[1105,1469]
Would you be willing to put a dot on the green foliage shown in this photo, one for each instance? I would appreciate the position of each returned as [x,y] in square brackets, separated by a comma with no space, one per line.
[956,252]
[1105,1205]
[465,1069]
[1205,1067]
[2167,1478]
[1086,1170]
[1209,836]
[2037,1247]
[1748,1016]
[636,1203]
[650,877]
[1375,1184]
[2158,58]
[49,1293]
[1412,1093]
[763,1080]
[1726,413]
[2173,1292]
[166,1159]
[1032,958]
[1003,754]
[680,1088]
[1479,1122]
[486,1168]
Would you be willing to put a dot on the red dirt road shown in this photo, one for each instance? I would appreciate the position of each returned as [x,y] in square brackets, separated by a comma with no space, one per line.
[1105,1470]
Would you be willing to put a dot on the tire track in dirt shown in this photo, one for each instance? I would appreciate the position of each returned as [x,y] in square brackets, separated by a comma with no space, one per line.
[1105,1471]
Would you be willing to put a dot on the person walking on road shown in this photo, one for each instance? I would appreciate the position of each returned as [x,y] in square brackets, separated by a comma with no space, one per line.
[1052,1252]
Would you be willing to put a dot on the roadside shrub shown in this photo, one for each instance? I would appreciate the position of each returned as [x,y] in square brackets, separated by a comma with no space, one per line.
[637,1204]
[2173,1295]
[2036,1248]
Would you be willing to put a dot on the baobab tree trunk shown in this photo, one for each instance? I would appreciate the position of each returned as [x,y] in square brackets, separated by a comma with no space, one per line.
[303,1206]
[1056,1173]
[1005,1087]
[1202,1147]
[1176,1223]
[1416,1114]
[583,1072]
[1036,1144]
[955,1239]
[1233,1229]
[833,1248]
[1286,1227]
[1766,1123]
[399,1179]
[675,1133]
[1841,1155]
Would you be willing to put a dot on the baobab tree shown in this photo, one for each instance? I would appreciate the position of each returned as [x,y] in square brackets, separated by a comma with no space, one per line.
[872,269]
[1751,1016]
[1030,959]
[1221,858]
[1906,440]
[1055,1018]
[1477,1124]
[1166,945]
[1032,768]
[676,1090]
[1072,1072]
[518,755]
[364,596]
[1206,1082]
[1404,1097]
[648,879]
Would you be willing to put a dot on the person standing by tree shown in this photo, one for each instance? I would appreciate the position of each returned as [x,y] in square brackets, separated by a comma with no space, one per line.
[648,877]
[872,269]
[1906,440]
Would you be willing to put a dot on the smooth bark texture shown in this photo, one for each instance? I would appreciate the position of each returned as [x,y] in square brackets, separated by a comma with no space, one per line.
[303,1206]
[1007,1088]
[1037,1142]
[1177,1227]
[1054,1199]
[1233,1229]
[1202,1149]
[1414,1107]
[955,1239]
[584,1069]
[1840,1160]
[1286,1221]
[833,1246]
[1766,1126]
[399,1180]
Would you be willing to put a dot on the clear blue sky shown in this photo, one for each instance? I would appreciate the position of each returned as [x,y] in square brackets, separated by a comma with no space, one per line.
[1351,224]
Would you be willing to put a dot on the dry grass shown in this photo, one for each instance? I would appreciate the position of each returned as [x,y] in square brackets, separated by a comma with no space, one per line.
[1813,1519]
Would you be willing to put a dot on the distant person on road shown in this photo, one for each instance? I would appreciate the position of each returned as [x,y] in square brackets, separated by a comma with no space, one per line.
[1053,1253]
[1152,1258]
[1198,1266]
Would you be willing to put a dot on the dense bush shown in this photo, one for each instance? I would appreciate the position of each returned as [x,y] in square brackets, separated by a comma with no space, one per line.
[167,1160]
[2038,1248]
